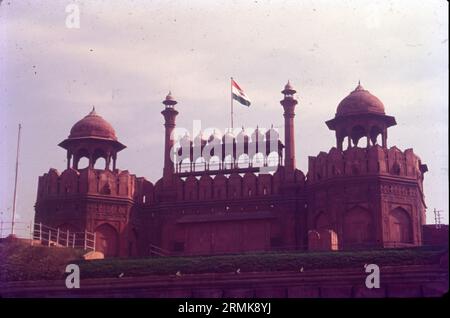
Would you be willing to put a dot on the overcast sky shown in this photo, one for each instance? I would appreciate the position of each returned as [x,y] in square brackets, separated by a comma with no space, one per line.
[126,55]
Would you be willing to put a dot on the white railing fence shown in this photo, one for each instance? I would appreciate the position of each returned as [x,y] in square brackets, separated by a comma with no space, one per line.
[39,233]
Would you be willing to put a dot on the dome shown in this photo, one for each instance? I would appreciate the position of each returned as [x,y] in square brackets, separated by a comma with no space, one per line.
[289,89]
[170,100]
[360,101]
[94,126]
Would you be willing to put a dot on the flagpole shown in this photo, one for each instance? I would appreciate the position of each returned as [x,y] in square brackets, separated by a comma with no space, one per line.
[13,221]
[231,95]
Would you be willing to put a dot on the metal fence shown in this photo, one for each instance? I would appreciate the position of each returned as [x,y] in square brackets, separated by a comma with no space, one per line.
[63,238]
[40,234]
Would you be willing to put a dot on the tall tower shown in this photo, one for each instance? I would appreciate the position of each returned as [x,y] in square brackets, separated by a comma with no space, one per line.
[289,102]
[367,195]
[169,113]
[95,198]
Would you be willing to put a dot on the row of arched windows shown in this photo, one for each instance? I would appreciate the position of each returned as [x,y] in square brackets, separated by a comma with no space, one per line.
[359,229]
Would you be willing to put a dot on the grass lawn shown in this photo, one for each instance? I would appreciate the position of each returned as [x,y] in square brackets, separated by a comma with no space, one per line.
[24,262]
[19,261]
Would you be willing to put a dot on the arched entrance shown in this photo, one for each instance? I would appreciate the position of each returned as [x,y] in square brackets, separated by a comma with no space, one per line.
[399,226]
[132,243]
[358,228]
[107,240]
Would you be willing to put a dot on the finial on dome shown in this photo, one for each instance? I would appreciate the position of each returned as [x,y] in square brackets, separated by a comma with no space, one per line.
[289,89]
[92,113]
[170,100]
[359,87]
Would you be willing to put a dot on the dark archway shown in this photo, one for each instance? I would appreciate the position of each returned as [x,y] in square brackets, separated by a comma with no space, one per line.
[400,226]
[357,133]
[107,240]
[358,228]
[133,250]
[375,131]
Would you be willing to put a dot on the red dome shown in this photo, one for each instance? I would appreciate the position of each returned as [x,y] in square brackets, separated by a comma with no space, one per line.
[93,125]
[360,101]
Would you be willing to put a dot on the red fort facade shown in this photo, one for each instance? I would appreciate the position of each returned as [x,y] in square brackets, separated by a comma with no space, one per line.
[242,193]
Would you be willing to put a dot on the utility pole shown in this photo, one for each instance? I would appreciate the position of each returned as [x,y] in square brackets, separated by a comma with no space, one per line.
[15,182]
[437,218]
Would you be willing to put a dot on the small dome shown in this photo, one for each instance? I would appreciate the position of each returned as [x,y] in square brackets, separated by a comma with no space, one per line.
[360,101]
[170,100]
[93,125]
[289,89]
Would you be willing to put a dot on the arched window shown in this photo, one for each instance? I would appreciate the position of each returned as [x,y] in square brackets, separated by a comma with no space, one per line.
[375,131]
[214,163]
[258,160]
[100,163]
[243,161]
[199,164]
[357,133]
[273,159]
[83,163]
[396,168]
[227,162]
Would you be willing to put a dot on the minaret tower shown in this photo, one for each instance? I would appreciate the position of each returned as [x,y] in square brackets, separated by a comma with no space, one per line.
[169,114]
[289,102]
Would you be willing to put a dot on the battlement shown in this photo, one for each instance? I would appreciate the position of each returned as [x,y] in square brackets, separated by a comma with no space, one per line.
[232,186]
[89,181]
[365,161]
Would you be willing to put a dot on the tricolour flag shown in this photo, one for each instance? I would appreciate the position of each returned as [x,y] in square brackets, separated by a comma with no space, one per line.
[238,94]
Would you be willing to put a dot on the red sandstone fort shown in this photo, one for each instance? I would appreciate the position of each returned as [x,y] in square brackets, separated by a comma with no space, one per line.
[360,194]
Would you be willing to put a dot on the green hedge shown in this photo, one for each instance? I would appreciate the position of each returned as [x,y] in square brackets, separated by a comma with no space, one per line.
[24,262]
[293,261]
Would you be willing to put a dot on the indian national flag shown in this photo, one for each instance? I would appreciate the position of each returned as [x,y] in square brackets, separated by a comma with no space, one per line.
[238,94]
